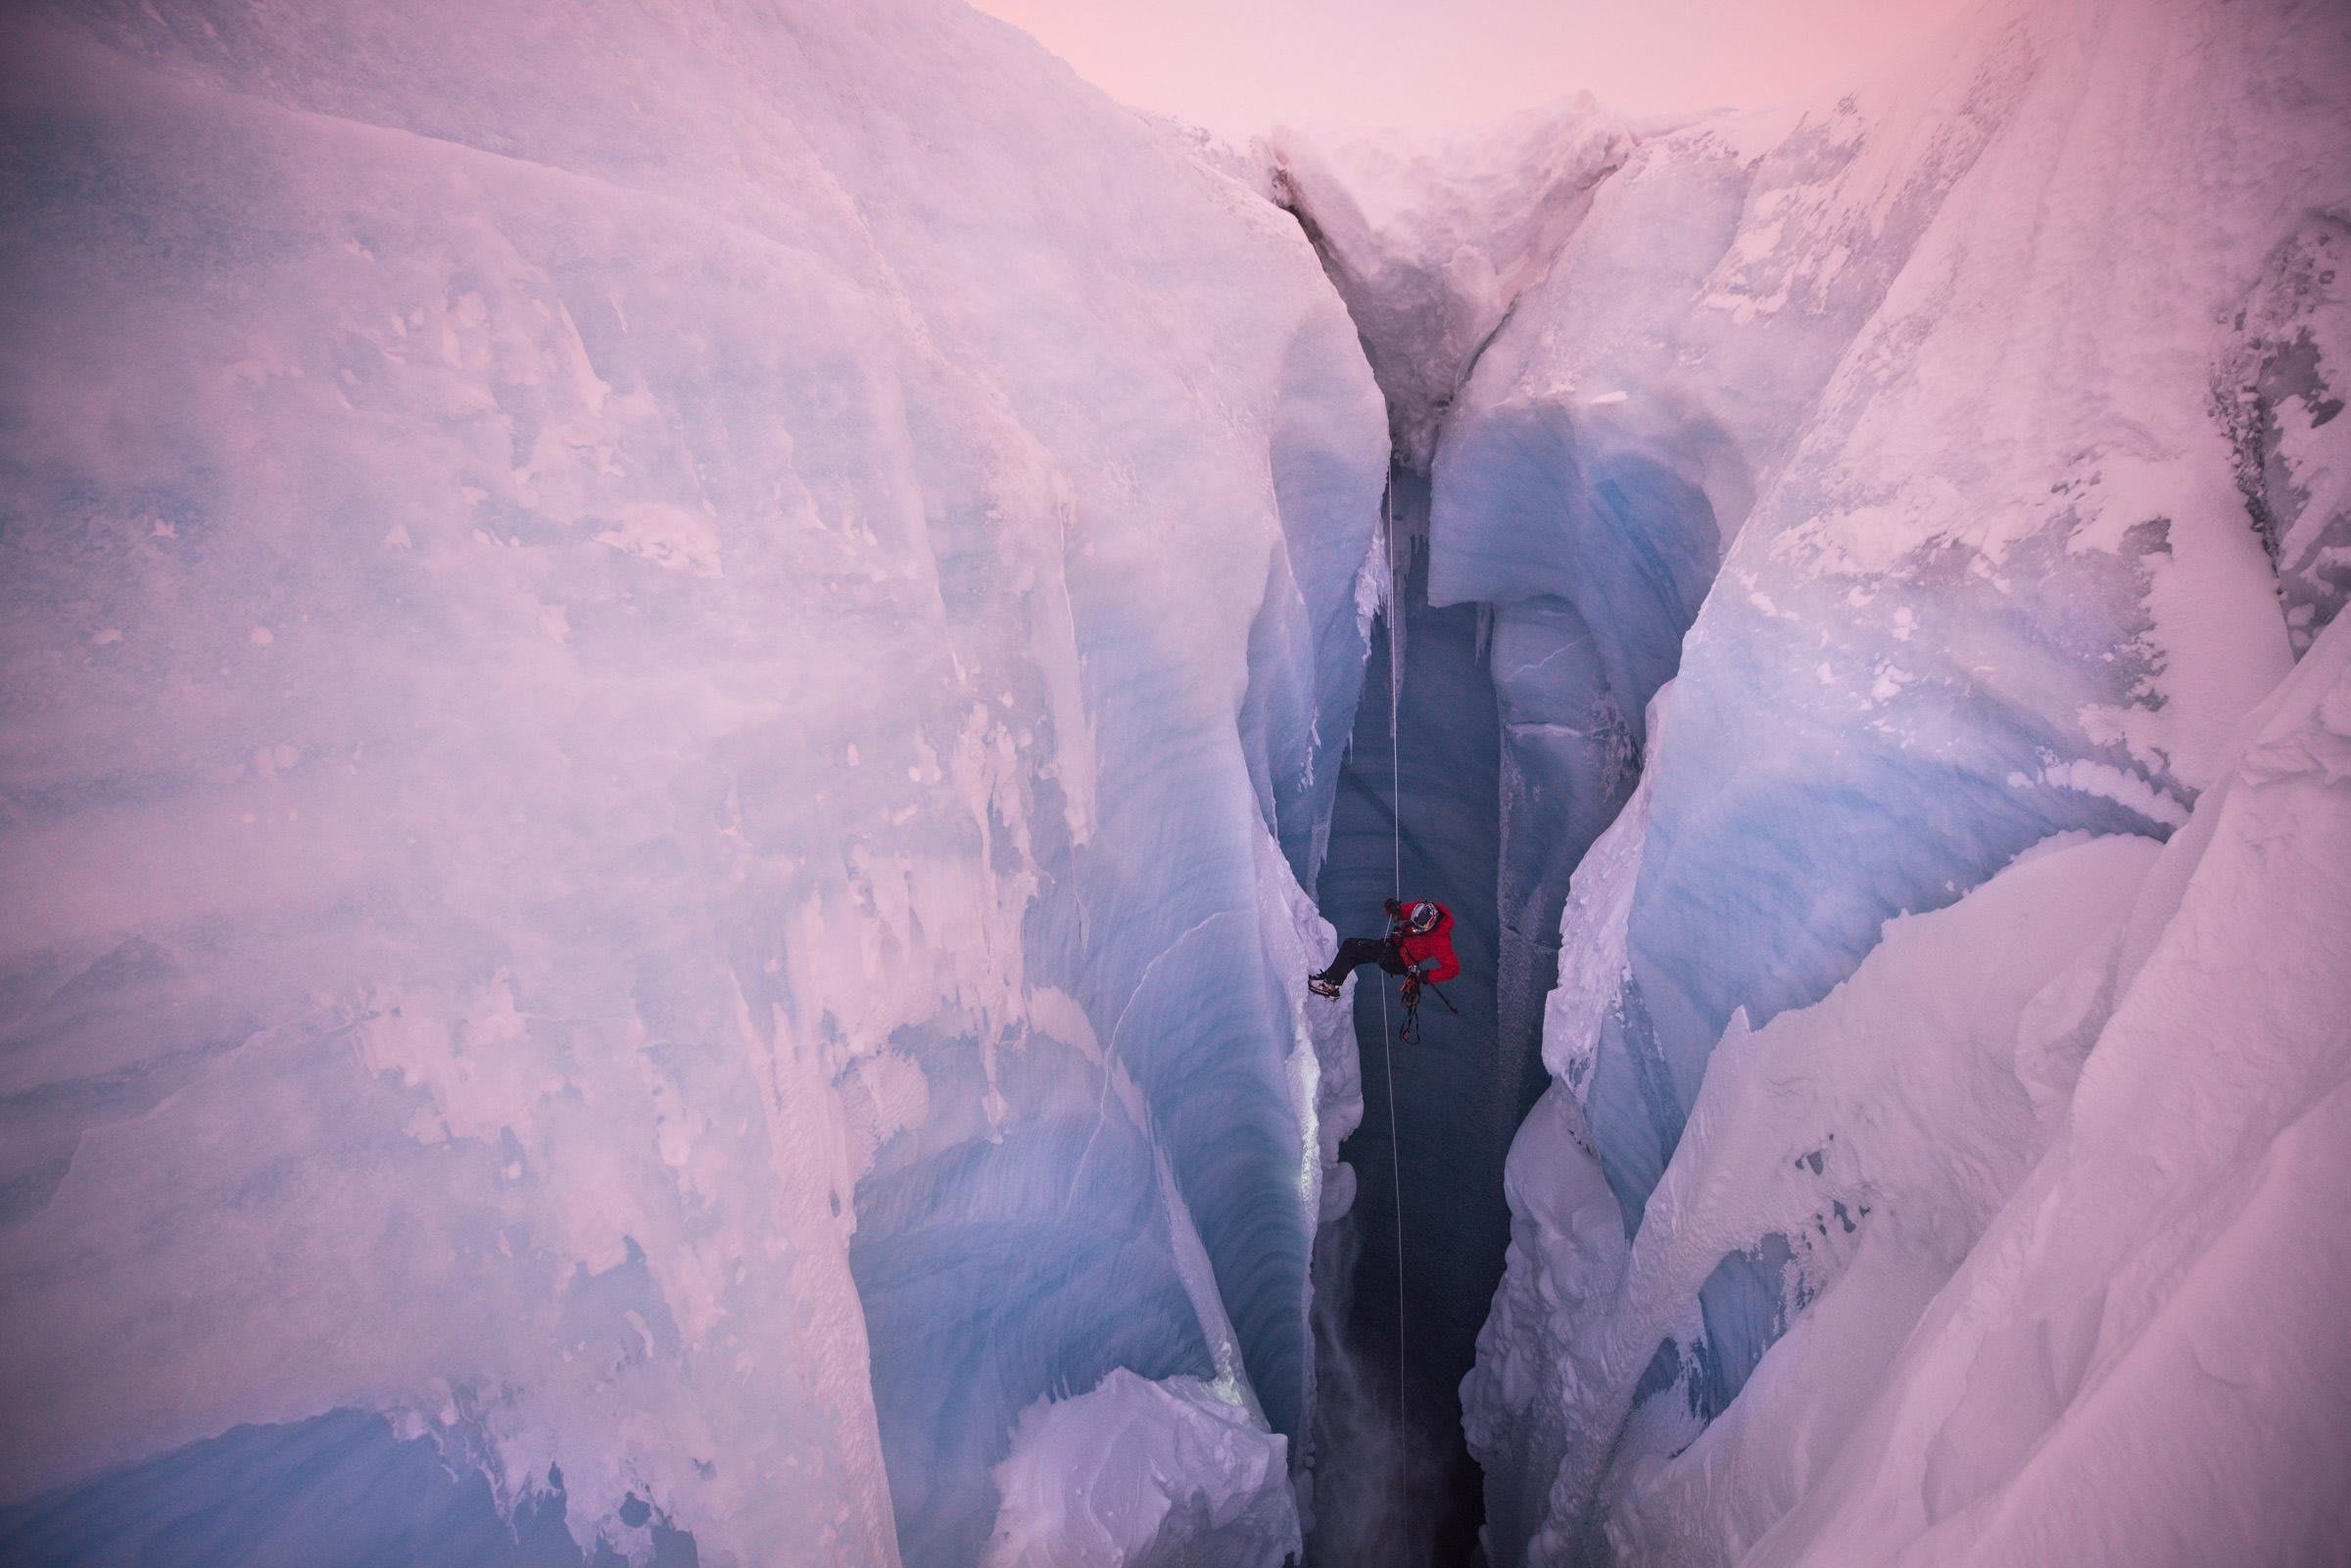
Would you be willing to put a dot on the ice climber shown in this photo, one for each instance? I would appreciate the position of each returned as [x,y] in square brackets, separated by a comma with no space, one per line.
[1418,946]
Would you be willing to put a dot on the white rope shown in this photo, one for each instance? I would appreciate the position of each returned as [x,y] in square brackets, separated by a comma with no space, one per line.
[1387,1050]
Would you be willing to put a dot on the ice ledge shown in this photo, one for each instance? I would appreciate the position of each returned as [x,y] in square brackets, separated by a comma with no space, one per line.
[1142,1474]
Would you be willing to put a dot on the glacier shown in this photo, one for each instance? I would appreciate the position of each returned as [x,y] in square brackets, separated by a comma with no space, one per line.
[687,687]
[1963,372]
[670,678]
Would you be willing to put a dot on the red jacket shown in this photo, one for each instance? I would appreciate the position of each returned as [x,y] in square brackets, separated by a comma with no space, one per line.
[1435,946]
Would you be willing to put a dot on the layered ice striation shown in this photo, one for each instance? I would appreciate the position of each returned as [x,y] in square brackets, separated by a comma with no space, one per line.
[2002,385]
[2055,1163]
[670,676]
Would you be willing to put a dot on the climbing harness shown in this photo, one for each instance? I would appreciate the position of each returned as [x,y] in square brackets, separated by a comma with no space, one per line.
[1409,1033]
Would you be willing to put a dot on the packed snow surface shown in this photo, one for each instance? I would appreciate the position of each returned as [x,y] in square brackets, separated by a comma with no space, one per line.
[668,674]
[2005,388]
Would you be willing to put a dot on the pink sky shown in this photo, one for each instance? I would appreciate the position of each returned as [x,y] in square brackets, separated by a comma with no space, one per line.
[1243,66]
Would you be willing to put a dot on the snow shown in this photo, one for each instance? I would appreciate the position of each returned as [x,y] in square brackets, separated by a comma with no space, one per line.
[1996,386]
[716,620]
[1432,246]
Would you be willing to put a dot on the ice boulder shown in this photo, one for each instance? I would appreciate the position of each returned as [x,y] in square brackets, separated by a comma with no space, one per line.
[1137,1474]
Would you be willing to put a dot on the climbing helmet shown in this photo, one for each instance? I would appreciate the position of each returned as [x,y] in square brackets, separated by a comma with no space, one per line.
[1422,919]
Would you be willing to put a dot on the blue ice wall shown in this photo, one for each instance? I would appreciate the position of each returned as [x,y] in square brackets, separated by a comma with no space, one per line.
[1596,548]
[1019,1244]
[1593,542]
[337,1491]
[1030,1262]
[1788,830]
[1307,645]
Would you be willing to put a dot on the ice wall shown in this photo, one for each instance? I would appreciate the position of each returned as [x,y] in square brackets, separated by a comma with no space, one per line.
[653,658]
[2069,1254]
[1974,376]
[2135,1359]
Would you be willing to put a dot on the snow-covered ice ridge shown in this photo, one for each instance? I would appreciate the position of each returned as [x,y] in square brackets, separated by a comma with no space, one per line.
[669,674]
[1978,427]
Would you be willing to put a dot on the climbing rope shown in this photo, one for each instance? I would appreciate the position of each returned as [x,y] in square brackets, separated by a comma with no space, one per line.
[1387,1050]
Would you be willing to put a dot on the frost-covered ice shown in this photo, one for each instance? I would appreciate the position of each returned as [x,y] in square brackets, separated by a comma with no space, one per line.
[649,656]
[1137,1474]
[2124,1349]
[2006,388]
[1431,247]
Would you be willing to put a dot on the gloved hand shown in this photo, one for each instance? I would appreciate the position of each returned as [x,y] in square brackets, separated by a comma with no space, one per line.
[1394,909]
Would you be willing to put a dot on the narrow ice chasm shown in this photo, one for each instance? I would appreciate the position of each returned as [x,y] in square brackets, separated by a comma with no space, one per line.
[1431,251]
[1450,1098]
[672,676]
[1542,583]
[2006,385]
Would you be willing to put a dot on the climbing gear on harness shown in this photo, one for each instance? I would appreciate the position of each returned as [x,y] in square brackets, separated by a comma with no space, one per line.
[1413,985]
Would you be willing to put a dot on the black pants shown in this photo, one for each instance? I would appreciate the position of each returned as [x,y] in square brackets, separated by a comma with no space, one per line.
[1361,950]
